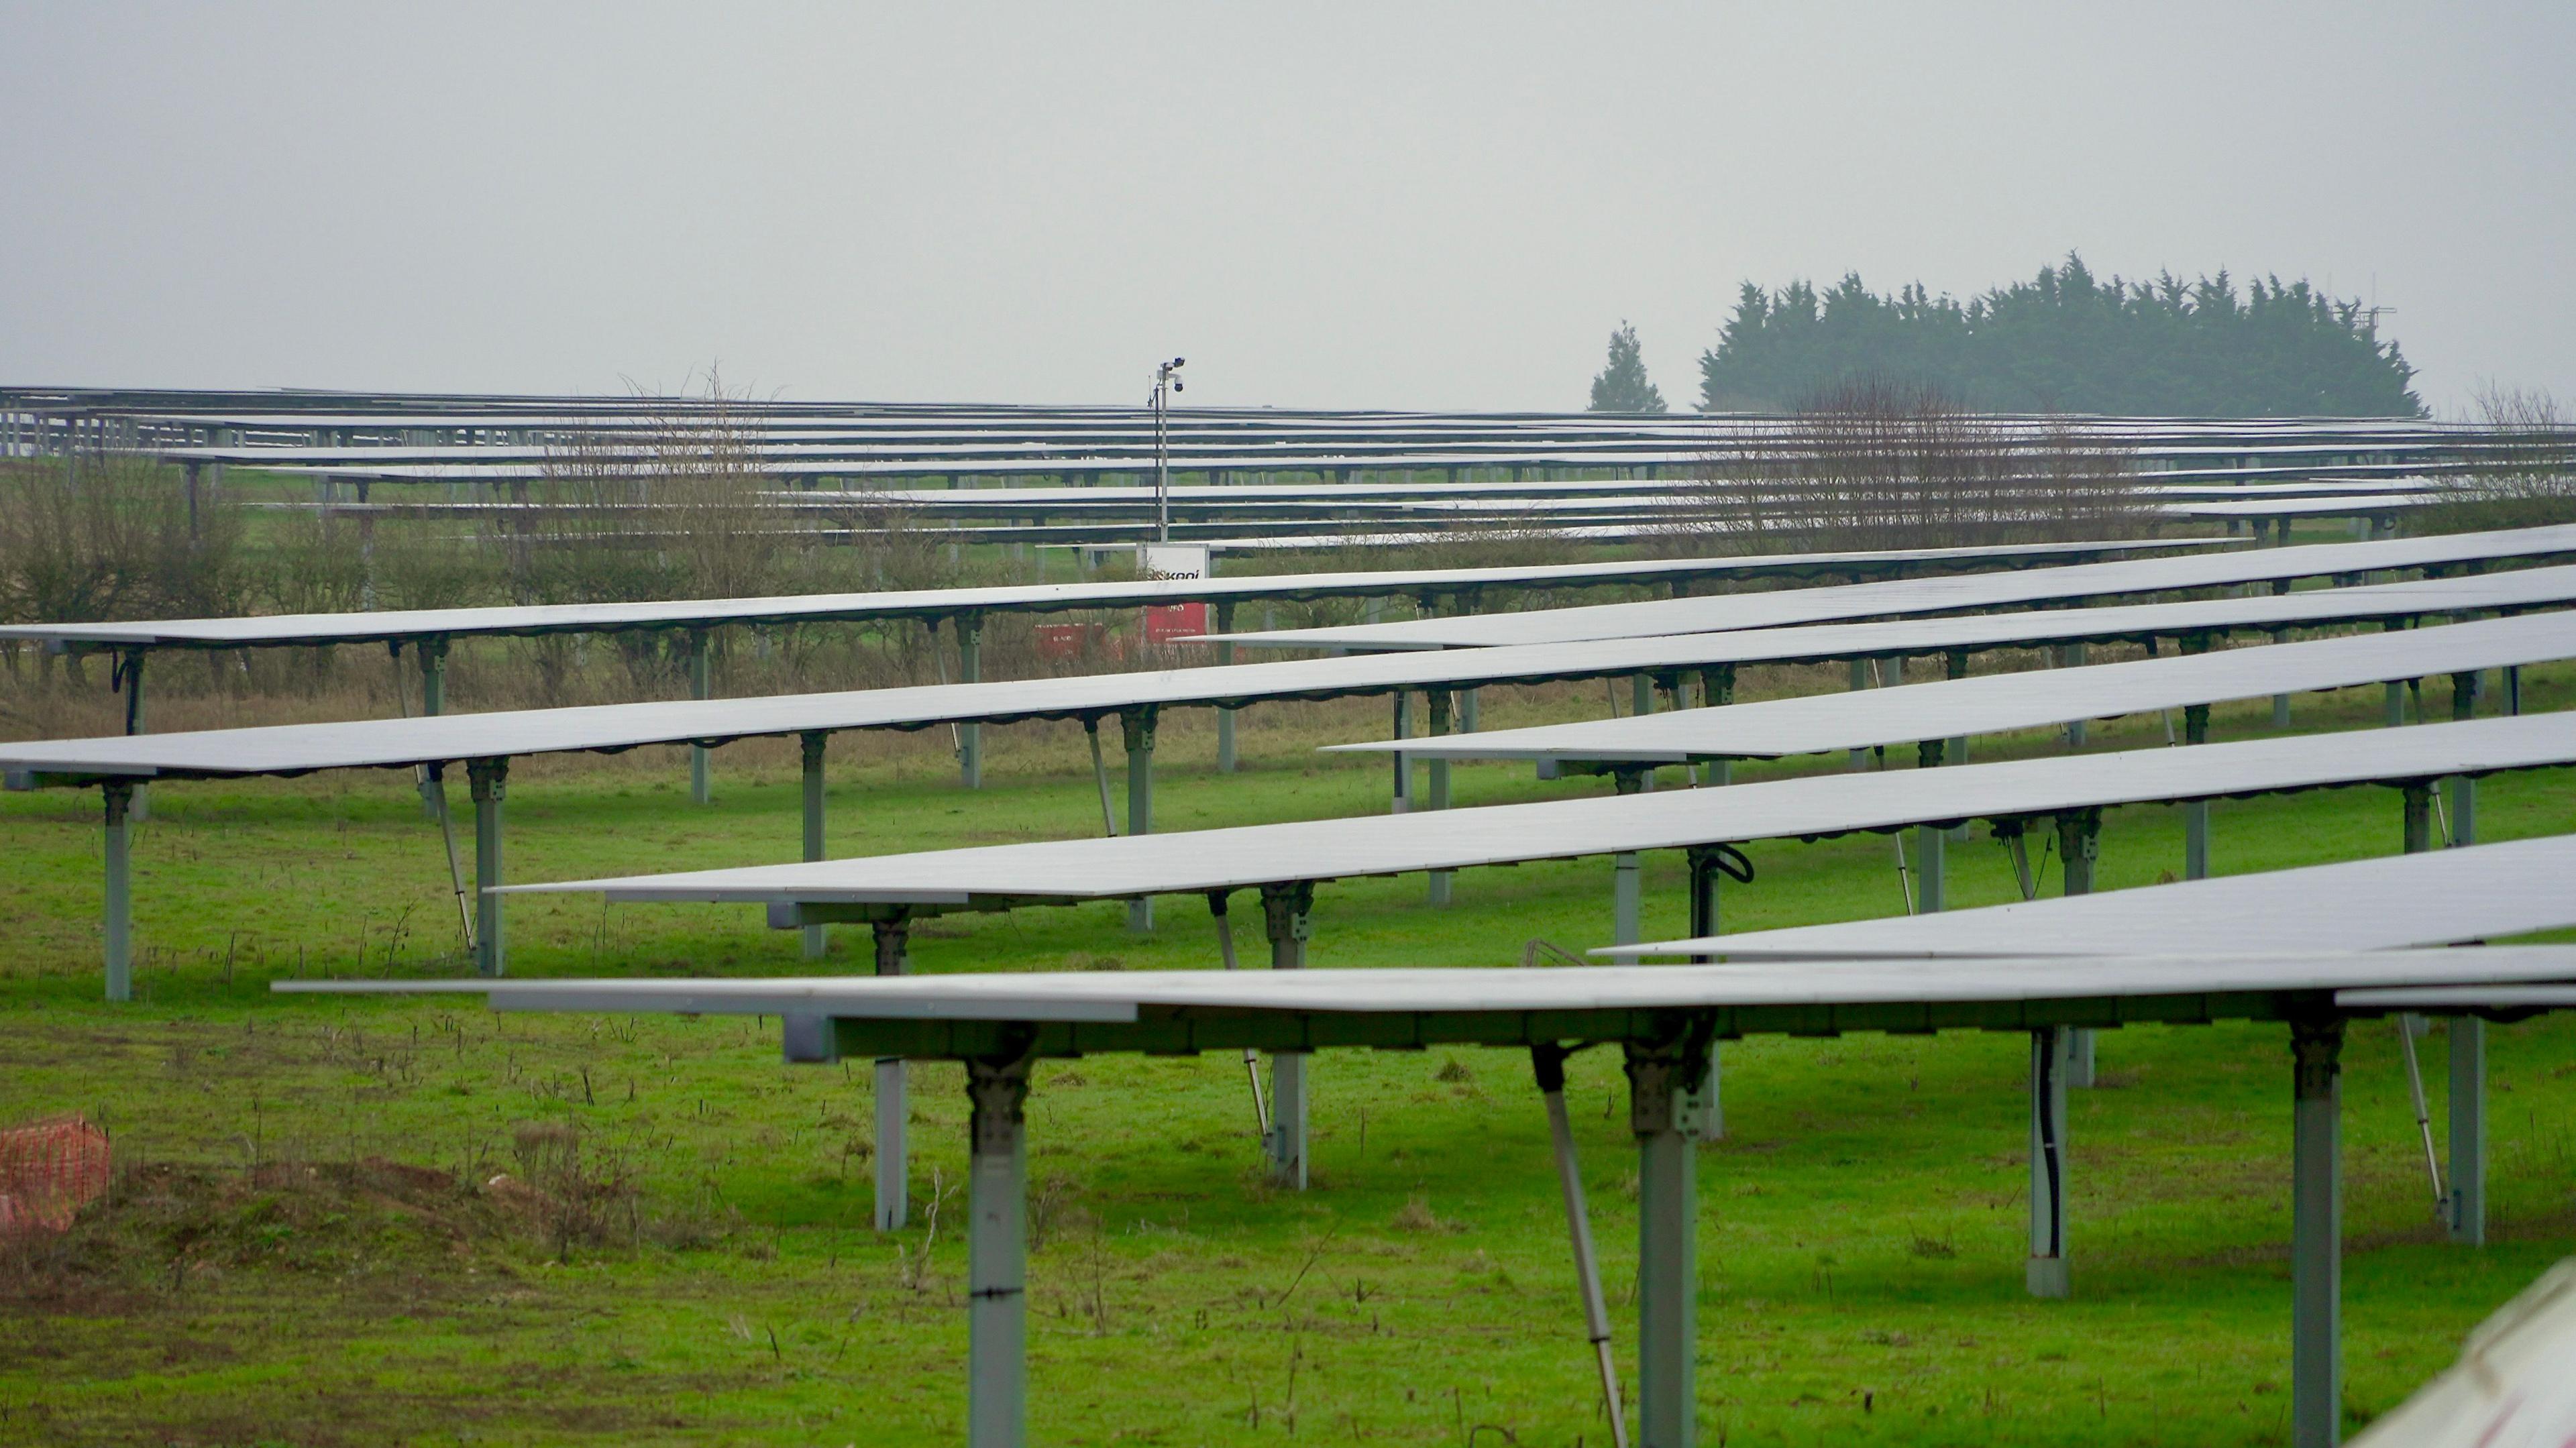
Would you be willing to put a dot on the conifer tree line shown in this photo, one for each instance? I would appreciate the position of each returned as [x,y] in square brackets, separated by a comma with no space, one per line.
[2063,341]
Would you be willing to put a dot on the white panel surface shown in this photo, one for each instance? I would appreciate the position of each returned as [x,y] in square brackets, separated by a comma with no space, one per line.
[1995,703]
[1232,859]
[1126,995]
[316,628]
[1927,595]
[1815,723]
[2438,897]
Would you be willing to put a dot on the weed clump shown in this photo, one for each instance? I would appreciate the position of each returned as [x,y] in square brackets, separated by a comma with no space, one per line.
[1416,1216]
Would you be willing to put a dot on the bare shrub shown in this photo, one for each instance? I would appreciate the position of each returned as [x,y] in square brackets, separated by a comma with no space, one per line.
[722,535]
[109,538]
[316,563]
[2527,472]
[434,564]
[1874,465]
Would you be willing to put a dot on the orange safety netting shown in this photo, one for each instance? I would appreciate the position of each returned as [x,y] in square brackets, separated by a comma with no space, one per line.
[49,1170]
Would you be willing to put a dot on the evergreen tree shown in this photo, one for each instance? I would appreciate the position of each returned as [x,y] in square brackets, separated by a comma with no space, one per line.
[1623,385]
[2066,341]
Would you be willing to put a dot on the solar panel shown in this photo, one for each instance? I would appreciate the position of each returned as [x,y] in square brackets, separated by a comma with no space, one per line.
[2434,897]
[1244,857]
[323,628]
[1997,703]
[1119,996]
[395,743]
[1927,595]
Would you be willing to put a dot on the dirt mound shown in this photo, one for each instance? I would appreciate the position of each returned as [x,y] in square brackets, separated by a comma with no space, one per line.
[162,1225]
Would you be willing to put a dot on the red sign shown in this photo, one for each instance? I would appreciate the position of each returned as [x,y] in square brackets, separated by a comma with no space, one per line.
[1170,621]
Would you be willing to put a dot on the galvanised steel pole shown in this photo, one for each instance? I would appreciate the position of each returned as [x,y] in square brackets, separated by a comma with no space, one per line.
[1138,726]
[487,781]
[1286,912]
[2316,1235]
[119,925]
[997,1255]
[1662,1113]
[698,689]
[894,1156]
[2046,1273]
[810,746]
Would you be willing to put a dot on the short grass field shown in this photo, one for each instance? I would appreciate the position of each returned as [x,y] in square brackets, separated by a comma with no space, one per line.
[414,1221]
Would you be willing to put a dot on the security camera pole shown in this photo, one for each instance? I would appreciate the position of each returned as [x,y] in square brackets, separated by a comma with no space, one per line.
[1167,380]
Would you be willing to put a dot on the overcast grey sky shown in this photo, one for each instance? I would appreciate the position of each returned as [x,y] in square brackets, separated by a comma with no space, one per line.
[1321,205]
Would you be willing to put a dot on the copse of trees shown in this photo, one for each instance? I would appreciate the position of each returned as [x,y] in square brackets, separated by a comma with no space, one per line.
[2067,341]
[1623,385]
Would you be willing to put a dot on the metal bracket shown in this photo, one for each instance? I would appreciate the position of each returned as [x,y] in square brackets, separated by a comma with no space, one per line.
[1138,727]
[1667,1081]
[1287,908]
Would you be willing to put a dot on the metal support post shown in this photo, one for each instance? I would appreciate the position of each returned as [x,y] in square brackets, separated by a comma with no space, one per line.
[1467,711]
[127,667]
[1224,716]
[1627,887]
[997,1254]
[1438,786]
[1662,1113]
[1930,857]
[1707,877]
[2079,844]
[970,670]
[1402,800]
[1625,899]
[1705,882]
[2468,1205]
[1641,702]
[487,781]
[1217,901]
[1548,1064]
[1859,681]
[2416,816]
[2467,1210]
[433,677]
[1716,691]
[2463,788]
[810,756]
[2047,1273]
[2072,657]
[2195,812]
[433,793]
[698,689]
[1954,665]
[894,1157]
[2316,1234]
[1286,914]
[118,926]
[1138,726]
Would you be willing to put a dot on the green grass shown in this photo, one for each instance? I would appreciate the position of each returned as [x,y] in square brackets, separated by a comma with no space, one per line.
[266,1273]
